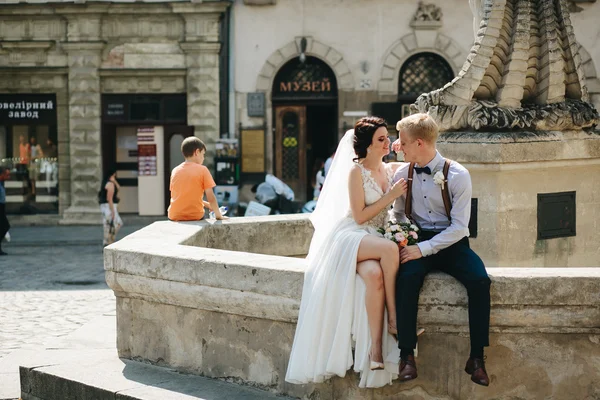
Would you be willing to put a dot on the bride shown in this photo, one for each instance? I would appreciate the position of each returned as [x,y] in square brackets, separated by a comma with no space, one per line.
[340,310]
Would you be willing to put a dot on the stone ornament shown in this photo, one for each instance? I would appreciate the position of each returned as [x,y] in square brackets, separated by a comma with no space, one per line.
[427,17]
[523,72]
[428,12]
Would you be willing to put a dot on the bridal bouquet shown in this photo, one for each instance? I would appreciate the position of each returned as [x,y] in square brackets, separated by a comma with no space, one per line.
[402,233]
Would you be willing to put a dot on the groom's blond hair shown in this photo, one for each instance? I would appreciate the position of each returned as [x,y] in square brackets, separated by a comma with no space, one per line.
[419,126]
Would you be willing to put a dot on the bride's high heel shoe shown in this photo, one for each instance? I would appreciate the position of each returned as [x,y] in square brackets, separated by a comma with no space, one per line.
[375,365]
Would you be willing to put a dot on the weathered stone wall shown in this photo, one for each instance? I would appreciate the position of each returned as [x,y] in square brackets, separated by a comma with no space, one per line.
[231,314]
[80,51]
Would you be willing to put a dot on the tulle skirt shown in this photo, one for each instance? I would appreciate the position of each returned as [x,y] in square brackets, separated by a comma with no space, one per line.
[333,316]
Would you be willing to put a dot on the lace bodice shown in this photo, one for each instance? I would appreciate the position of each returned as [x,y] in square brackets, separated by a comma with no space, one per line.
[373,193]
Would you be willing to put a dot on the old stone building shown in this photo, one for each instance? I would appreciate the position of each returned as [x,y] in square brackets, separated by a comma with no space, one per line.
[121,83]
[89,84]
[361,57]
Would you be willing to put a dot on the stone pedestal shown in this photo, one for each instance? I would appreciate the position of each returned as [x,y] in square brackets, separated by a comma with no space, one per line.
[508,172]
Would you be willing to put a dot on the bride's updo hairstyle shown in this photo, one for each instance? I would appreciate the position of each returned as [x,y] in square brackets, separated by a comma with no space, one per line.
[363,134]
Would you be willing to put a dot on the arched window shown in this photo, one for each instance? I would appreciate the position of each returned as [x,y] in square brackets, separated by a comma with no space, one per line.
[312,79]
[422,73]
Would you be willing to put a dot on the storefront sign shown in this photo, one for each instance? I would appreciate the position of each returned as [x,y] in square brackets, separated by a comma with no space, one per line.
[146,159]
[144,107]
[310,79]
[253,151]
[27,108]
[311,86]
[115,109]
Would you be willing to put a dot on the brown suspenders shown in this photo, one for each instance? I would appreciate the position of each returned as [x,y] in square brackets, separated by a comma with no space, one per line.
[445,191]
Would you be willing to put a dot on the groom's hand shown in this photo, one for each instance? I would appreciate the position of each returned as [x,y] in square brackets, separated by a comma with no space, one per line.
[410,253]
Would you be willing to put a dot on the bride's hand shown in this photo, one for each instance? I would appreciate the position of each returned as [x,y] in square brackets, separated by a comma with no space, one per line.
[396,146]
[399,188]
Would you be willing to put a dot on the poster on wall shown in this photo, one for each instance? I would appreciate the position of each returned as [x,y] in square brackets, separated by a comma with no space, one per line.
[253,151]
[146,160]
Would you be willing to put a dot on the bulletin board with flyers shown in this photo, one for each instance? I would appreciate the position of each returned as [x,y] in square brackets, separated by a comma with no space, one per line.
[253,153]
[146,159]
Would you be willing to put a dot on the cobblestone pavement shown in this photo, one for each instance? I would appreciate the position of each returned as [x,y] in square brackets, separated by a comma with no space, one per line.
[51,283]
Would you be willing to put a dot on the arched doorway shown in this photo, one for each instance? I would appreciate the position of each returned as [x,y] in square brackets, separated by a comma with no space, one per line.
[421,73]
[304,101]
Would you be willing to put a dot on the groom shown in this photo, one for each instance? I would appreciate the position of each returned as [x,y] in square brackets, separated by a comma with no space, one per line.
[444,244]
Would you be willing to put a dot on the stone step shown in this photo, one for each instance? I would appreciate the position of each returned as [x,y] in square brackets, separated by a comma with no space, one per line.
[100,375]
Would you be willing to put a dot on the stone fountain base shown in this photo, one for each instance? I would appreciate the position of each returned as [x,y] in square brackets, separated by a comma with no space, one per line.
[509,171]
[231,314]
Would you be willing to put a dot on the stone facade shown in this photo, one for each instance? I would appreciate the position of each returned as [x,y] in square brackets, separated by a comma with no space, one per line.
[82,50]
[366,56]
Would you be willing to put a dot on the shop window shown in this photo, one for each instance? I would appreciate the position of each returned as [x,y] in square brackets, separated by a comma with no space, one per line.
[176,109]
[31,154]
[144,111]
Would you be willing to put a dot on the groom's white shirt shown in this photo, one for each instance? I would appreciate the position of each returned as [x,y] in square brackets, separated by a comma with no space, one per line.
[428,206]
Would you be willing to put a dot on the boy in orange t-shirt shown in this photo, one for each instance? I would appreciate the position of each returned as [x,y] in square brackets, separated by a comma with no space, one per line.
[190,181]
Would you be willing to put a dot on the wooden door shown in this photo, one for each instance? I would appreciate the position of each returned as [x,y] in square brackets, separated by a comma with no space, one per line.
[290,148]
[174,135]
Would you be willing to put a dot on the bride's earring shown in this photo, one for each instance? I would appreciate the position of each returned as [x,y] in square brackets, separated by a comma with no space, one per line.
[369,150]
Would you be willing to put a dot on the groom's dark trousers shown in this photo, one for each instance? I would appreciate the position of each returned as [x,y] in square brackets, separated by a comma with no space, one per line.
[463,264]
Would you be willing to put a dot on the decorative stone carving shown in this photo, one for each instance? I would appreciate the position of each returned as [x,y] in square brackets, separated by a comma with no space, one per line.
[428,12]
[524,72]
[164,27]
[202,84]
[24,53]
[84,122]
[427,17]
[573,7]
[143,84]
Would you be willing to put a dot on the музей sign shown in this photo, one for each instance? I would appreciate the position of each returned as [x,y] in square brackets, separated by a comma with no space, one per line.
[27,108]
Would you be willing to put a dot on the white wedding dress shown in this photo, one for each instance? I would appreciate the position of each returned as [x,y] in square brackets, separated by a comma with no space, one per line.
[333,315]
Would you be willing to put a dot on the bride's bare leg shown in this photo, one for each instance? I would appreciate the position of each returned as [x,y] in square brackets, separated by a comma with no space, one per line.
[371,273]
[387,253]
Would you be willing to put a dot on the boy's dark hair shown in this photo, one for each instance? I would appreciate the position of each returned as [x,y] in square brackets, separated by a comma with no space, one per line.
[190,145]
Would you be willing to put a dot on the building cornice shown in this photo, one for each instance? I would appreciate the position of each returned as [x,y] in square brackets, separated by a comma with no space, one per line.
[114,8]
[27,44]
[151,72]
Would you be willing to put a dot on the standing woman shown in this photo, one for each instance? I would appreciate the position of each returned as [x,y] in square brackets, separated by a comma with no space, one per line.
[108,199]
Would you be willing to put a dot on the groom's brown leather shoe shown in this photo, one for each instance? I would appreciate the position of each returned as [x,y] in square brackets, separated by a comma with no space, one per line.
[408,369]
[476,368]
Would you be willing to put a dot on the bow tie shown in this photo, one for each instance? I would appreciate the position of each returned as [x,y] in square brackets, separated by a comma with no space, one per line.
[423,170]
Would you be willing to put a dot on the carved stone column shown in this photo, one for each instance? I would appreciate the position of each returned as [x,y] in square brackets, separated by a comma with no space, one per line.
[202,82]
[202,47]
[84,129]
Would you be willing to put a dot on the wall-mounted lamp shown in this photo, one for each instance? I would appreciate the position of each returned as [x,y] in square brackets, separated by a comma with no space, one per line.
[303,44]
[364,66]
